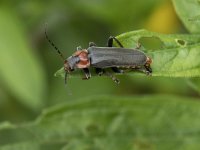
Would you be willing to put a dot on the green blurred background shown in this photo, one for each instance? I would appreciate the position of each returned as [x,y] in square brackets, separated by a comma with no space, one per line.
[28,62]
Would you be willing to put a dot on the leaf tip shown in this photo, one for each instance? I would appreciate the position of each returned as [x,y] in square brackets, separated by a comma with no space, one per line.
[60,73]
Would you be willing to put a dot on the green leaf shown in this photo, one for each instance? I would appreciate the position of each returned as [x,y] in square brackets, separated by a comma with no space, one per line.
[188,11]
[20,70]
[174,55]
[151,122]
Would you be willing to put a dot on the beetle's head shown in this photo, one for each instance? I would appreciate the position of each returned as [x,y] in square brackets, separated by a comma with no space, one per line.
[70,63]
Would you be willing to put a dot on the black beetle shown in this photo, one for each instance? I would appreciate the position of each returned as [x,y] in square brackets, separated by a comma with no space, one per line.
[116,58]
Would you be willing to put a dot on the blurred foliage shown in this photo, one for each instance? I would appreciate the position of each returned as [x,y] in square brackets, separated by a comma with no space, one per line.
[20,68]
[133,118]
[155,124]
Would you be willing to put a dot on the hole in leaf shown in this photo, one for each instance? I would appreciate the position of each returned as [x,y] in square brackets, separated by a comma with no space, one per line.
[151,42]
[180,42]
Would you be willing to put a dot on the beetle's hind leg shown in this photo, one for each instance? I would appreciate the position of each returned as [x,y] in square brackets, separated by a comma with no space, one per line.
[148,69]
[145,69]
[87,74]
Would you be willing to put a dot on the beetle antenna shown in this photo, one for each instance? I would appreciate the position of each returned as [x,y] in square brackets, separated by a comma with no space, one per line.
[52,44]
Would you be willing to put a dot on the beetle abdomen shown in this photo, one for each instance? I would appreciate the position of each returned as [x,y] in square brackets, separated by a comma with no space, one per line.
[104,57]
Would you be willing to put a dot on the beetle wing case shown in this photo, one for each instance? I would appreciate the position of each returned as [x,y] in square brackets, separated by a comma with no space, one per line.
[105,57]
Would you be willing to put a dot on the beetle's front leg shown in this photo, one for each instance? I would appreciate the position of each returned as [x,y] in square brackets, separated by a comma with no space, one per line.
[87,74]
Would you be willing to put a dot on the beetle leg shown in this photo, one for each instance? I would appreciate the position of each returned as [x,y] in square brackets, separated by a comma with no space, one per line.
[117,70]
[99,71]
[110,41]
[87,74]
[144,69]
[79,48]
[148,69]
[112,77]
[91,44]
